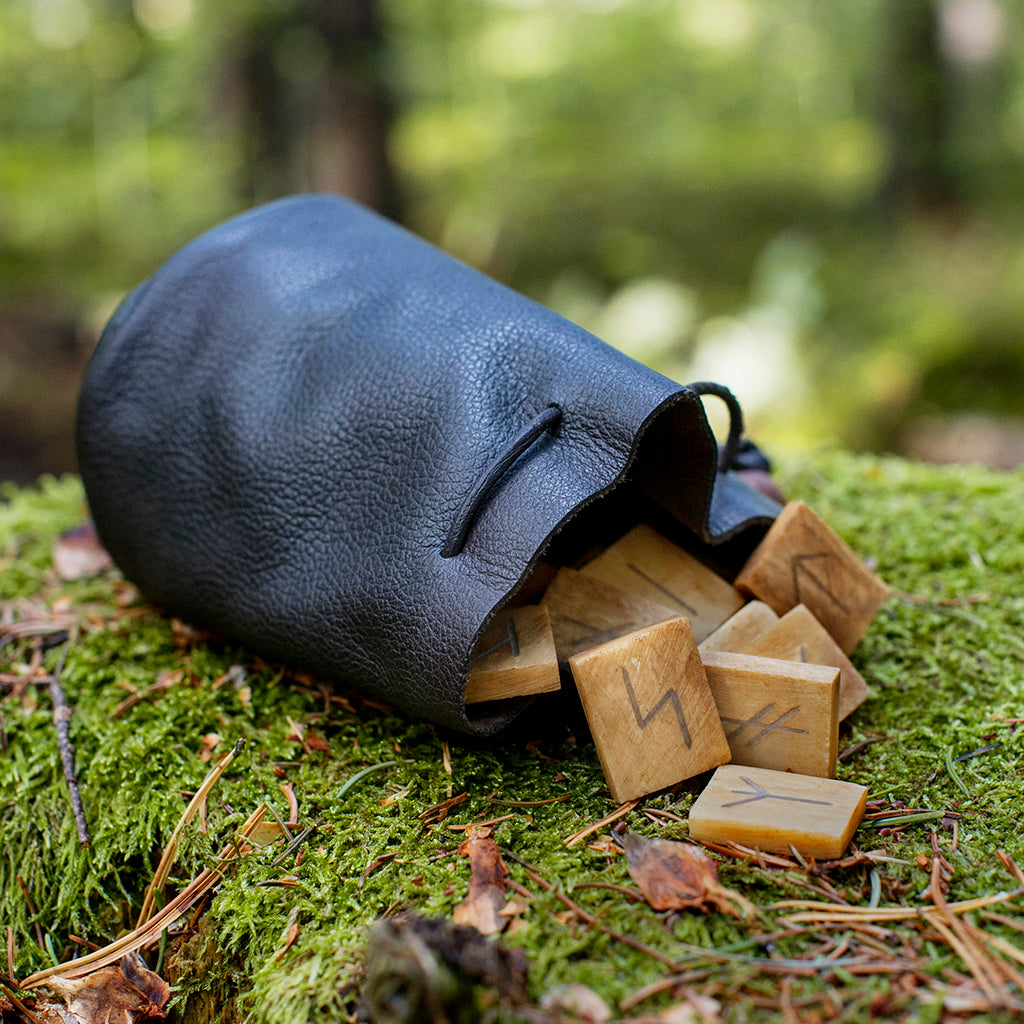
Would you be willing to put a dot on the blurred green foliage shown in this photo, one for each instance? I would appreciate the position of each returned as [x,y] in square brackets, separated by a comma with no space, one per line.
[818,203]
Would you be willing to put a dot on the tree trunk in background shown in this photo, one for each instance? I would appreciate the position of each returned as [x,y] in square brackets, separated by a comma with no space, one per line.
[915,109]
[317,103]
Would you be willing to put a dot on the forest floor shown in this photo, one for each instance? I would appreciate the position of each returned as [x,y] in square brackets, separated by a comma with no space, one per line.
[390,817]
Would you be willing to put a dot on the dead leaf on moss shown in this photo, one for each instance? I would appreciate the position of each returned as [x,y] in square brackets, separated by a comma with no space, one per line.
[290,937]
[579,1002]
[681,1013]
[44,1011]
[678,876]
[482,908]
[210,742]
[127,991]
[267,833]
[78,553]
[314,741]
[188,637]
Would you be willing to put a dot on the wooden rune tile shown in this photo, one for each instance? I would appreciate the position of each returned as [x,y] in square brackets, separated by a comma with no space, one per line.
[775,810]
[586,612]
[645,563]
[782,715]
[514,658]
[799,636]
[803,561]
[649,708]
[753,619]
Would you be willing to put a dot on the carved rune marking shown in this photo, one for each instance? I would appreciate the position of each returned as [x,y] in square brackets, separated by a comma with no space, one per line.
[757,792]
[671,697]
[766,728]
[595,636]
[800,567]
[664,590]
[512,640]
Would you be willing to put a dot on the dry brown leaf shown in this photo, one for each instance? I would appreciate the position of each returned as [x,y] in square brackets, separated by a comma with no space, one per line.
[267,833]
[44,1011]
[580,1002]
[210,742]
[481,909]
[78,553]
[314,741]
[699,1010]
[289,939]
[128,991]
[678,876]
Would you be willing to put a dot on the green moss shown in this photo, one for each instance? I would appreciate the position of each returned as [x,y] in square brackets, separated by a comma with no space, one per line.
[945,659]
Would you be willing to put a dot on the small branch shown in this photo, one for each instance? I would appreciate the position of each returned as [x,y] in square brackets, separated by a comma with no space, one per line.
[19,1006]
[591,920]
[61,722]
[31,907]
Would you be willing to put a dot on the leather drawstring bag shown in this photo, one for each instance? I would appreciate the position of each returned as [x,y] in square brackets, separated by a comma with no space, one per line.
[318,435]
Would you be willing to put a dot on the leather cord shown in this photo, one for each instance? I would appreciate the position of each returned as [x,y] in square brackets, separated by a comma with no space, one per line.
[728,455]
[470,508]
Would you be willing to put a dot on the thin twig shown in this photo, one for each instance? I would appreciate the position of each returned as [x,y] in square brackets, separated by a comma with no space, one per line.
[633,895]
[528,803]
[619,812]
[662,985]
[977,753]
[480,824]
[592,920]
[140,695]
[61,722]
[20,1006]
[856,748]
[293,846]
[31,907]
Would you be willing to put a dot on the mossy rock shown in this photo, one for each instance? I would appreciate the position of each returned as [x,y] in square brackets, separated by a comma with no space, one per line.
[283,942]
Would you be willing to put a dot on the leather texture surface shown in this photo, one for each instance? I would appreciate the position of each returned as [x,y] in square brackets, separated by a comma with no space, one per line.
[278,427]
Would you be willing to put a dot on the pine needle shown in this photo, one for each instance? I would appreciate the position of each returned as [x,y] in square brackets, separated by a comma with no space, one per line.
[171,850]
[619,812]
[148,933]
[821,913]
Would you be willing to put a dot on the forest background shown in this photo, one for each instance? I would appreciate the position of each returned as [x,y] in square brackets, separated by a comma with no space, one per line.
[818,203]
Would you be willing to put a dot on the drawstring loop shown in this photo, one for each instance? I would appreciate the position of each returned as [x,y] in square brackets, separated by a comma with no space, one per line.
[728,455]
[470,508]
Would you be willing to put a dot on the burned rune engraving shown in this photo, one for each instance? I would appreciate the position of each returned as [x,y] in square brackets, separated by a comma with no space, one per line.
[512,640]
[800,568]
[764,728]
[757,792]
[670,697]
[664,590]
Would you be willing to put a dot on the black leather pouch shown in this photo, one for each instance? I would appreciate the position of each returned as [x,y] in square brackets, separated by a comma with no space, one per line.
[317,434]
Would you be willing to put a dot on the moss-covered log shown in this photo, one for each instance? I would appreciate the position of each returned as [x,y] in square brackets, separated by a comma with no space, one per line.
[939,746]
